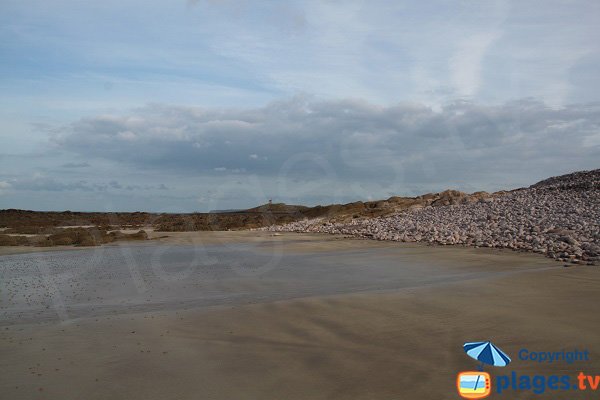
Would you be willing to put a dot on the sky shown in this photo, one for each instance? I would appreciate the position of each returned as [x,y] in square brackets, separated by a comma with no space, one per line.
[201,105]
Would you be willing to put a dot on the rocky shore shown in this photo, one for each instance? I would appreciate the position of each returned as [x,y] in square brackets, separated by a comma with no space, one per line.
[558,217]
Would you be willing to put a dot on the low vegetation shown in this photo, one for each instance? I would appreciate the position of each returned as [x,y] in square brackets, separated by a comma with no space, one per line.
[70,236]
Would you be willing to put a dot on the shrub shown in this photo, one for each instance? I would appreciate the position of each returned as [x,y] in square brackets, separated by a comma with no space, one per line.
[6,240]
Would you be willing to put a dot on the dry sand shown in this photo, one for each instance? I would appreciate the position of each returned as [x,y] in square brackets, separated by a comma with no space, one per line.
[392,344]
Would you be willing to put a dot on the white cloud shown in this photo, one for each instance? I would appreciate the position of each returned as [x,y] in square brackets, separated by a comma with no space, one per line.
[4,186]
[127,135]
[592,140]
[467,62]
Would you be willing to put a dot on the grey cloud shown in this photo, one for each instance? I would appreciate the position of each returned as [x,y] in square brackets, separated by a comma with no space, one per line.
[50,184]
[161,186]
[75,165]
[353,140]
[115,185]
[4,186]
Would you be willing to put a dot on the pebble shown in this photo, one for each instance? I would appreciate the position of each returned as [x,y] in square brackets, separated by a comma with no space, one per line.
[558,217]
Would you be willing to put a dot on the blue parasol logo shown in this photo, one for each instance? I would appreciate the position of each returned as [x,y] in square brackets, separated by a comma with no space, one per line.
[486,353]
[477,385]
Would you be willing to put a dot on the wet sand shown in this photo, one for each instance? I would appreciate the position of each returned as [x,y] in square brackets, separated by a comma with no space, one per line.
[389,335]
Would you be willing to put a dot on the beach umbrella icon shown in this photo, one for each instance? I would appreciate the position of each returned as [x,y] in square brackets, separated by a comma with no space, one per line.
[486,353]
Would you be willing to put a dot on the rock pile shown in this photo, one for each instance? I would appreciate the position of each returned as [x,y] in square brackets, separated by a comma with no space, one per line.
[558,217]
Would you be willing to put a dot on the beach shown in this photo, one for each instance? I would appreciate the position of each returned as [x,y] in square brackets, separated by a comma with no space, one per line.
[292,316]
[299,200]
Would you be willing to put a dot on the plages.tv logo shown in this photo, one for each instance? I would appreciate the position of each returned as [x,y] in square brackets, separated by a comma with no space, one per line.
[477,384]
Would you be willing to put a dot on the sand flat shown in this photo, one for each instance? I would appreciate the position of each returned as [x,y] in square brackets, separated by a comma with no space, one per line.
[382,343]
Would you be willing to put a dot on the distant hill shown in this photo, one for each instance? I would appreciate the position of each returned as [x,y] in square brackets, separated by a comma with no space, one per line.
[278,208]
[36,222]
[24,221]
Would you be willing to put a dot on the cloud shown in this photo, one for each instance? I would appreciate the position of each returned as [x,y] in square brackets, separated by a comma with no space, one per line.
[4,186]
[75,165]
[398,146]
[592,140]
[41,183]
[161,186]
[467,62]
